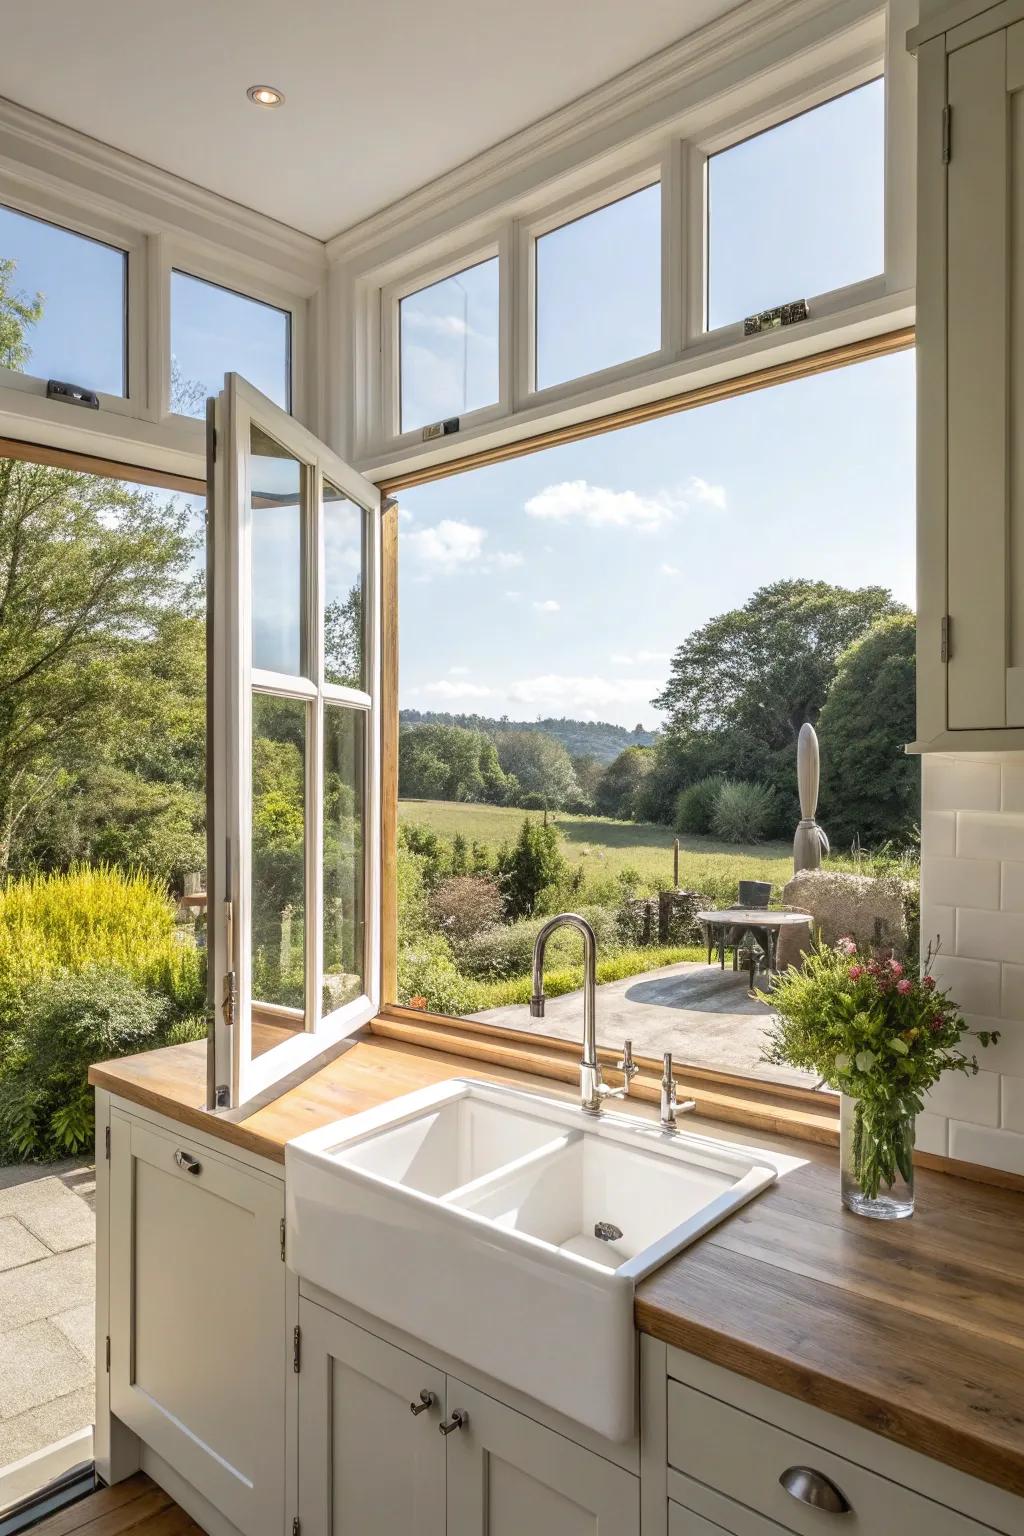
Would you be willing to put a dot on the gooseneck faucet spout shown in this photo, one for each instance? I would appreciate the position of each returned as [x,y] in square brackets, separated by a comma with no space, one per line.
[592,1089]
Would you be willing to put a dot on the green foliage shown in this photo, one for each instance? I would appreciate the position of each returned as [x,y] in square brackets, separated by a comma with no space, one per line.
[18,313]
[445,762]
[506,950]
[533,864]
[68,1022]
[597,739]
[872,1032]
[465,905]
[742,812]
[621,788]
[541,767]
[695,805]
[870,787]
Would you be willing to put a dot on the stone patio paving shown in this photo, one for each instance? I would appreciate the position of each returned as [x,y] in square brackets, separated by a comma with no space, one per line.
[47,1282]
[703,1015]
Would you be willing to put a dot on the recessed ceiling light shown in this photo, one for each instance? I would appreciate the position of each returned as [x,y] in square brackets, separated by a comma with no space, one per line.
[265,95]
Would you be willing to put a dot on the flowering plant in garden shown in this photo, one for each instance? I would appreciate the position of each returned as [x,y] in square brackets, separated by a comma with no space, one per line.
[877,1034]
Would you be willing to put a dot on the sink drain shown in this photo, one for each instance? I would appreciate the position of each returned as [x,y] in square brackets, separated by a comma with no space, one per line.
[607,1231]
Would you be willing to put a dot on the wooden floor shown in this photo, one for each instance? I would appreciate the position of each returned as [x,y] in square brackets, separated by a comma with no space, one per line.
[137,1505]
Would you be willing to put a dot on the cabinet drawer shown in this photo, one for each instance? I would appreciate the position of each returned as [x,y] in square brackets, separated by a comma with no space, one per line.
[744,1458]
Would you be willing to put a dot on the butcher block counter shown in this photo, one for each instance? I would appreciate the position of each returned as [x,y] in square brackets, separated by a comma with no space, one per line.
[911,1329]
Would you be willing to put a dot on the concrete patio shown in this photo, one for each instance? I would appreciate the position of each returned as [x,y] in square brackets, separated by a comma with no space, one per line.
[703,1015]
[47,1278]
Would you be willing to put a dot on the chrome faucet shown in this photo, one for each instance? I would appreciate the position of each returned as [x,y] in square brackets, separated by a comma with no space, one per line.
[671,1106]
[592,1089]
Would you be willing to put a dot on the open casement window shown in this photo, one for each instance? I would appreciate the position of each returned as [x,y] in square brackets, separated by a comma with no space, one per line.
[293,746]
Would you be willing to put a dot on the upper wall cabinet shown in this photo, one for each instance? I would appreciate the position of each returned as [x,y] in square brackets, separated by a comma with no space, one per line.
[971,386]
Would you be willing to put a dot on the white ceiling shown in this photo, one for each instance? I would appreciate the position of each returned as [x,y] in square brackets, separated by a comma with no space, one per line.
[382,95]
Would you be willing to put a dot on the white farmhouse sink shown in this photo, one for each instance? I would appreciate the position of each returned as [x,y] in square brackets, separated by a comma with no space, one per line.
[509,1230]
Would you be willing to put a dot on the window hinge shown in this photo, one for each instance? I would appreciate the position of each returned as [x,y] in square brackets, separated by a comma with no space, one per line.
[106,1142]
[947,134]
[296,1349]
[108,1354]
[282,1239]
[296,1525]
[944,638]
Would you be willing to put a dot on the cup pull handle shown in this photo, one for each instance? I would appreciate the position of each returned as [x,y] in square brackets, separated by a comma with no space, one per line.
[814,1488]
[188,1162]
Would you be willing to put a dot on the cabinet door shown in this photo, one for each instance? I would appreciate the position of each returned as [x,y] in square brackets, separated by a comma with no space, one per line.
[198,1351]
[985,382]
[368,1466]
[509,1476]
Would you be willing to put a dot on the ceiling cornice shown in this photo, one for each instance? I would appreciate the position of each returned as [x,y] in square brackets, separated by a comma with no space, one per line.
[749,27]
[145,195]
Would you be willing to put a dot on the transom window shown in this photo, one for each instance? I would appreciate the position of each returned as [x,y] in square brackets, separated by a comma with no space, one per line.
[215,331]
[448,341]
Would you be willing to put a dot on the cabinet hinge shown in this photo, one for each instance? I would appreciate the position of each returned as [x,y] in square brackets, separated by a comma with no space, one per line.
[947,134]
[282,1239]
[944,651]
[107,1353]
[106,1142]
[296,1349]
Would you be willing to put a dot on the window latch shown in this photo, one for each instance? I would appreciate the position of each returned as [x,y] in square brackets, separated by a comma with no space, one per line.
[72,394]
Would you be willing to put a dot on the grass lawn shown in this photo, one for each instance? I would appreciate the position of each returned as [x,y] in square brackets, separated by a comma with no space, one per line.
[604,846]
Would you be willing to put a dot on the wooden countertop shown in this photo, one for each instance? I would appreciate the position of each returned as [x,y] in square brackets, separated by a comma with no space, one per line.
[912,1329]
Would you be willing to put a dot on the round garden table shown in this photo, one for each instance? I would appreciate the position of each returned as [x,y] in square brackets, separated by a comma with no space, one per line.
[763,923]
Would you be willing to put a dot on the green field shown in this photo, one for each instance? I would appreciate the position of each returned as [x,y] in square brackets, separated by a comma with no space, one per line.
[604,847]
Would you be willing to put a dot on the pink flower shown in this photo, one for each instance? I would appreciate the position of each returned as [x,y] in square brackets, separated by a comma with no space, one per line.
[847,946]
[903,986]
[856,972]
[928,982]
[935,1024]
[895,967]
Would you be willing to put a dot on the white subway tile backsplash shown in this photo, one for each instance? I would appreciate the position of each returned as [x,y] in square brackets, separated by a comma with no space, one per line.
[938,833]
[1011,891]
[989,835]
[960,882]
[973,984]
[974,1098]
[932,1134]
[938,928]
[1012,995]
[1007,1055]
[989,935]
[1013,783]
[961,784]
[981,1144]
[1012,1103]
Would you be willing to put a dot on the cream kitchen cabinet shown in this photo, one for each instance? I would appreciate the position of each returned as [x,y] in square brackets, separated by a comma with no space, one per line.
[970,364]
[373,1459]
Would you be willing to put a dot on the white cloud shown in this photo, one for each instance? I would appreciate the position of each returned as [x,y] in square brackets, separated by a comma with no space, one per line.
[450,546]
[556,692]
[513,596]
[443,689]
[547,606]
[669,570]
[443,325]
[705,493]
[619,659]
[458,671]
[600,507]
[505,560]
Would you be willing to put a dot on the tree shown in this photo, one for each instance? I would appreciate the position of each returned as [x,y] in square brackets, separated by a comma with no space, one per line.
[620,790]
[530,866]
[541,765]
[445,762]
[870,787]
[17,315]
[343,640]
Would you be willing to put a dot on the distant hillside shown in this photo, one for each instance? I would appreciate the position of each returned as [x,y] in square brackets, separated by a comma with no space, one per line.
[580,738]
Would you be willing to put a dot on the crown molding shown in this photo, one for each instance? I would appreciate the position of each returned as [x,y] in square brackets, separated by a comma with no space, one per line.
[740,33]
[144,195]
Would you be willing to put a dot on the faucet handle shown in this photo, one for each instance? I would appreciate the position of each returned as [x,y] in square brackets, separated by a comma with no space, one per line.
[627,1066]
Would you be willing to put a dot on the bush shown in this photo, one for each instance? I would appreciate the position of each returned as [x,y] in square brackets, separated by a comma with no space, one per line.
[506,951]
[68,1021]
[465,905]
[531,866]
[91,918]
[429,978]
[695,805]
[743,812]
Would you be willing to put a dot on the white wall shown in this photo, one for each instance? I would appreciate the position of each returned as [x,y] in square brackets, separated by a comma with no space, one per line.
[972,899]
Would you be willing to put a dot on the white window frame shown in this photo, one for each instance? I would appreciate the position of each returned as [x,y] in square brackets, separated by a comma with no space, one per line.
[612,189]
[390,299]
[783,75]
[237,1076]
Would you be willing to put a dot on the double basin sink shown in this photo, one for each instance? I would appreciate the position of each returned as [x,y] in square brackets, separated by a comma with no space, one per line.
[509,1230]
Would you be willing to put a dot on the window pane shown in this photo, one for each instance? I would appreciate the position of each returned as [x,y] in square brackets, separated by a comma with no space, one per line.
[276,555]
[599,289]
[799,210]
[344,870]
[215,331]
[449,346]
[344,557]
[69,296]
[278,843]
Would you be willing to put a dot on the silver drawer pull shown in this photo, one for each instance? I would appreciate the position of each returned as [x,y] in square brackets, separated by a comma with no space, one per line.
[458,1420]
[188,1162]
[814,1488]
[426,1401]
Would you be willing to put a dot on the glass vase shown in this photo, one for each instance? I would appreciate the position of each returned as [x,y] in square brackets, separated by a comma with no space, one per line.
[876,1161]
